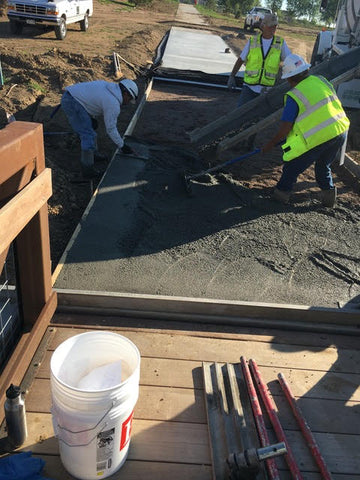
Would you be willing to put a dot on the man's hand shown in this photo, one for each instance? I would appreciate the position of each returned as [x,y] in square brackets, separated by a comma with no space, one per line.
[126,150]
[231,84]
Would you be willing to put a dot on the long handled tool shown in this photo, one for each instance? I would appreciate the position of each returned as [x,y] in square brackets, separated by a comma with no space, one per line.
[188,178]
[326,475]
[258,417]
[274,419]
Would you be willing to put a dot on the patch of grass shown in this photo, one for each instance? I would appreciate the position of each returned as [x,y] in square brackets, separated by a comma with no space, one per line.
[35,86]
[213,14]
[125,4]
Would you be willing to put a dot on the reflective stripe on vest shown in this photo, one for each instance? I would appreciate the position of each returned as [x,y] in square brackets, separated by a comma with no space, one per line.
[321,117]
[262,70]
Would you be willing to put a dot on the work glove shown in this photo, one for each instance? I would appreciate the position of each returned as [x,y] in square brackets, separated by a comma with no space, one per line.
[127,150]
[231,84]
[21,466]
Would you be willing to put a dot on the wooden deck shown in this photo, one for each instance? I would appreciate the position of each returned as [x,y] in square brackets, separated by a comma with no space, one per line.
[170,433]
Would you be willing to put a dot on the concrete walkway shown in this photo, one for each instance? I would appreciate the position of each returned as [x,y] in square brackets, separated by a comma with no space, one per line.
[188,14]
[197,50]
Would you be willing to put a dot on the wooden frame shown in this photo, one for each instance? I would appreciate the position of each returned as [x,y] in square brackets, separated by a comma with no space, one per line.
[25,187]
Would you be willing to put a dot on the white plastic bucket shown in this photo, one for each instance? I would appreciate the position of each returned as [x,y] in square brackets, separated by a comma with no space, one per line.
[93,426]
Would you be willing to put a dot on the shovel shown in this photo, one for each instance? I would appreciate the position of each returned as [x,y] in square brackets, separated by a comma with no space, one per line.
[187,178]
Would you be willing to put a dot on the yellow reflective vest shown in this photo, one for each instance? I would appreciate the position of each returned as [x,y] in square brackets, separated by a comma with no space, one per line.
[262,70]
[320,118]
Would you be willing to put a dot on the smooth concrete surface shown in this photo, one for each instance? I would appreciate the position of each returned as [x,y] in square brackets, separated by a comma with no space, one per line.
[189,14]
[109,219]
[196,50]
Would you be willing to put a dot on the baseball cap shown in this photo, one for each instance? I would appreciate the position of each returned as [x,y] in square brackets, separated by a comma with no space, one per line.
[270,20]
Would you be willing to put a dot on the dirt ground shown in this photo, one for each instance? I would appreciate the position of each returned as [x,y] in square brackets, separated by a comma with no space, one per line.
[37,67]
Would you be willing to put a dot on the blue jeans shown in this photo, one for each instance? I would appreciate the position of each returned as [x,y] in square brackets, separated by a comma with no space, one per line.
[80,121]
[246,95]
[323,155]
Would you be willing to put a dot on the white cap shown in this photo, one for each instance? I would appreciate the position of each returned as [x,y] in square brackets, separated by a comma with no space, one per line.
[269,20]
[294,64]
[130,87]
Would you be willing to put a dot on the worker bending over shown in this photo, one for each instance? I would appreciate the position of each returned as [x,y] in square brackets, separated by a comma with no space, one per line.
[83,102]
[314,124]
[262,56]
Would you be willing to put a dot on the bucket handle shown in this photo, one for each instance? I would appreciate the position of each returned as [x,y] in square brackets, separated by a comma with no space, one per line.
[92,428]
[83,444]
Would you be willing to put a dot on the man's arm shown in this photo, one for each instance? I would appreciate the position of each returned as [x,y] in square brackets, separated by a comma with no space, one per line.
[284,130]
[241,59]
[237,66]
[287,121]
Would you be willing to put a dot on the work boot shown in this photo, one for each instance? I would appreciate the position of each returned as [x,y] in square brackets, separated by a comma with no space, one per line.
[99,157]
[88,169]
[328,197]
[281,196]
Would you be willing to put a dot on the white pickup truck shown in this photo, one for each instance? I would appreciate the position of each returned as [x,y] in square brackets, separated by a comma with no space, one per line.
[55,13]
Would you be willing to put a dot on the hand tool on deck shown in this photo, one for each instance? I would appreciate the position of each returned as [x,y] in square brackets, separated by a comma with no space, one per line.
[271,410]
[326,475]
[188,178]
[272,470]
[246,465]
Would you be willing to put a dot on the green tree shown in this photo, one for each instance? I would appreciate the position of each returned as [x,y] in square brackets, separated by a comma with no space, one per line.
[328,12]
[210,4]
[236,7]
[303,8]
[247,5]
[274,5]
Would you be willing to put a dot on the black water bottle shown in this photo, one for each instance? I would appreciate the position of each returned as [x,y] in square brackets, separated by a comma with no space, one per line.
[15,416]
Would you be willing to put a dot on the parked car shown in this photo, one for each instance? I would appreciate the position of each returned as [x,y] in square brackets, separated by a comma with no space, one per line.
[254,17]
[43,13]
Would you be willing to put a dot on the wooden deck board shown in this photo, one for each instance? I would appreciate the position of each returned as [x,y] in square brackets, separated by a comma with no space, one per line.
[170,434]
[168,346]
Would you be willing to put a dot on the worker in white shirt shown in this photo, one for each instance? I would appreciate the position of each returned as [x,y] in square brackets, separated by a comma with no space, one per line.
[262,56]
[84,102]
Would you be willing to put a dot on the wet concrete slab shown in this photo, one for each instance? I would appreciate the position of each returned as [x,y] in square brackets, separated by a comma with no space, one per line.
[197,50]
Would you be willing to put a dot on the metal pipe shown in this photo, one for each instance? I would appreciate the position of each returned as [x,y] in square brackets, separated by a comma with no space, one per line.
[271,410]
[271,451]
[305,428]
[259,419]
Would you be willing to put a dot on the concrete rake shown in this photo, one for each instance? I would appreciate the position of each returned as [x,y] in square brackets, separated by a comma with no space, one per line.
[187,178]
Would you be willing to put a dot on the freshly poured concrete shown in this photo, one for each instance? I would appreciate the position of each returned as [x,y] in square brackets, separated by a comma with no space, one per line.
[194,50]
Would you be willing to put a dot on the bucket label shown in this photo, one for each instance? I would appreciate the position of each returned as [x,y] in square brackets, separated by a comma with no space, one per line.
[126,431]
[105,448]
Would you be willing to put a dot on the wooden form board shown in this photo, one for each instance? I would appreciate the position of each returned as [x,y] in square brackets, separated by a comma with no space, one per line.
[294,317]
[170,426]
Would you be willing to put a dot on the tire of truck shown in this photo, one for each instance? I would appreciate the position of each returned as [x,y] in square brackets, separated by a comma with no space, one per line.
[245,26]
[84,24]
[252,27]
[15,27]
[60,30]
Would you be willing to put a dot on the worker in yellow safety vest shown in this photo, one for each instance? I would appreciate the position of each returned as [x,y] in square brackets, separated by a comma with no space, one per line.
[262,56]
[314,125]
